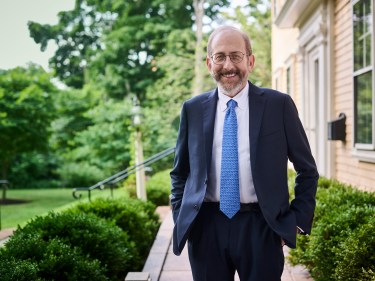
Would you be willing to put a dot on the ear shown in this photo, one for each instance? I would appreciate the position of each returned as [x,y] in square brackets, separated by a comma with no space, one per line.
[208,63]
[251,63]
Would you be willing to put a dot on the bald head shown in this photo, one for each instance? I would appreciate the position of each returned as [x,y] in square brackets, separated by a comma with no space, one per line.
[227,28]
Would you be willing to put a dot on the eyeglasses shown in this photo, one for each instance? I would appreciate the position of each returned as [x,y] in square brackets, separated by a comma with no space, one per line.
[220,58]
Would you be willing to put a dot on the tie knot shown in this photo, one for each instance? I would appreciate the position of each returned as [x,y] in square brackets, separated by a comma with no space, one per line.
[231,103]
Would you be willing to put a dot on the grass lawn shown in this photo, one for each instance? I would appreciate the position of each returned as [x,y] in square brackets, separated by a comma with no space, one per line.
[42,201]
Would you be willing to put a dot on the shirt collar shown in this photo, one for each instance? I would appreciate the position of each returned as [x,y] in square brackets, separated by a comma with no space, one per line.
[242,99]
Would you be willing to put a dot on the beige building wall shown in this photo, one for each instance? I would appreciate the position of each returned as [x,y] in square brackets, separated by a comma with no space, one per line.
[348,168]
[284,55]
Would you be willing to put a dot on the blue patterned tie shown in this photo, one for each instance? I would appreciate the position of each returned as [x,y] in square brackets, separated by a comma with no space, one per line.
[229,180]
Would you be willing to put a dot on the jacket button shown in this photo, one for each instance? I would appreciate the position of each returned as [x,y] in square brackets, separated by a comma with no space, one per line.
[196,207]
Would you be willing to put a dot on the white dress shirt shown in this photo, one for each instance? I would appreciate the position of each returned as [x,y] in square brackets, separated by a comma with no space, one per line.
[247,191]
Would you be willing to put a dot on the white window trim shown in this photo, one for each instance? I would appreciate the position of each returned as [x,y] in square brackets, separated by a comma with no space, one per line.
[361,150]
[364,155]
[290,63]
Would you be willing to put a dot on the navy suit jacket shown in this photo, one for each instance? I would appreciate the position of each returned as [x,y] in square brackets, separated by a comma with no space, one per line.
[276,135]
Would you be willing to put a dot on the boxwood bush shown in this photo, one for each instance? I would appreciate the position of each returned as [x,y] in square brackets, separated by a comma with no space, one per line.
[15,269]
[343,216]
[135,217]
[355,252]
[70,246]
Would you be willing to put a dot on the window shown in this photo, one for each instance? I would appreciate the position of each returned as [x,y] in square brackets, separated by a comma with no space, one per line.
[363,74]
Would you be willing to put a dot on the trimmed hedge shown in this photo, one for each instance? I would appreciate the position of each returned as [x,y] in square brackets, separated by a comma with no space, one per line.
[341,244]
[135,217]
[102,240]
[70,246]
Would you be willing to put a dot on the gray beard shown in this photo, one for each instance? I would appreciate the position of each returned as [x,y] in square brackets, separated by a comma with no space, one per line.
[228,91]
[232,91]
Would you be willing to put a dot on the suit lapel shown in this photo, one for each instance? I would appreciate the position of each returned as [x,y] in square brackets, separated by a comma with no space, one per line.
[209,112]
[257,103]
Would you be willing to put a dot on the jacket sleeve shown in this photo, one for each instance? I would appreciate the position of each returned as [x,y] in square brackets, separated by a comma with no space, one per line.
[181,167]
[299,154]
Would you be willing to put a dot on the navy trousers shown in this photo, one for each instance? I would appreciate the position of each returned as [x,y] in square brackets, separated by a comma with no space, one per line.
[219,246]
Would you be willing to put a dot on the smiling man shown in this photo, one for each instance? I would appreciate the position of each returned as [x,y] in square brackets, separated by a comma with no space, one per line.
[230,195]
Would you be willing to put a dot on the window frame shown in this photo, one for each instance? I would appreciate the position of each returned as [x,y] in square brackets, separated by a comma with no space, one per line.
[357,73]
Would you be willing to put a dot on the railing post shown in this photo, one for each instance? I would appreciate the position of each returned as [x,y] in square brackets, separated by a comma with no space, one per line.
[140,172]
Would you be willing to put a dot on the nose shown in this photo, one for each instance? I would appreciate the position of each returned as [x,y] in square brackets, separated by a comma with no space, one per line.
[228,64]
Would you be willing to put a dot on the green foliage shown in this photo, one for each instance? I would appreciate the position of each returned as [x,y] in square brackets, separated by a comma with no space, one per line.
[26,111]
[137,218]
[343,215]
[110,52]
[79,174]
[257,23]
[79,243]
[16,269]
[34,170]
[92,137]
[328,234]
[356,259]
[48,260]
[71,106]
[77,35]
[115,41]
[159,188]
[165,97]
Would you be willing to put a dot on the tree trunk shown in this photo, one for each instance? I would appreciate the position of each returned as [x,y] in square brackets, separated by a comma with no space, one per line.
[199,56]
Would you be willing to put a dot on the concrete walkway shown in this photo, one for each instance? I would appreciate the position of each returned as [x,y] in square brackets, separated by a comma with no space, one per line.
[163,265]
[5,234]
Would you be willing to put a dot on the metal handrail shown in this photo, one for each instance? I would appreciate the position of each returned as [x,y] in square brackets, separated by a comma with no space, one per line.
[112,180]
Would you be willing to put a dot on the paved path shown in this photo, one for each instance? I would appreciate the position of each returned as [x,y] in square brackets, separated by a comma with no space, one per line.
[163,265]
[5,234]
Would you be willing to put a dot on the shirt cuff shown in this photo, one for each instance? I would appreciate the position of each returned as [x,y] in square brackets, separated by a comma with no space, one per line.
[300,230]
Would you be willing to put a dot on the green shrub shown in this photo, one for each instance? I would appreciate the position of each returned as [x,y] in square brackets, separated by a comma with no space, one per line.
[340,212]
[340,197]
[95,238]
[75,174]
[355,256]
[329,233]
[137,218]
[51,260]
[159,188]
[14,269]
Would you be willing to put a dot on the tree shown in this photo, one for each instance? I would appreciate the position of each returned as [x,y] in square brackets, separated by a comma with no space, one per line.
[114,40]
[100,149]
[255,20]
[199,13]
[164,98]
[77,36]
[111,51]
[26,111]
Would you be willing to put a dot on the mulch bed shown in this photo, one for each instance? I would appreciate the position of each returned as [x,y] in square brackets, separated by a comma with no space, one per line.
[9,201]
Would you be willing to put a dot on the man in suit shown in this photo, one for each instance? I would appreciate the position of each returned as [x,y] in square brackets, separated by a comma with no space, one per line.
[268,132]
